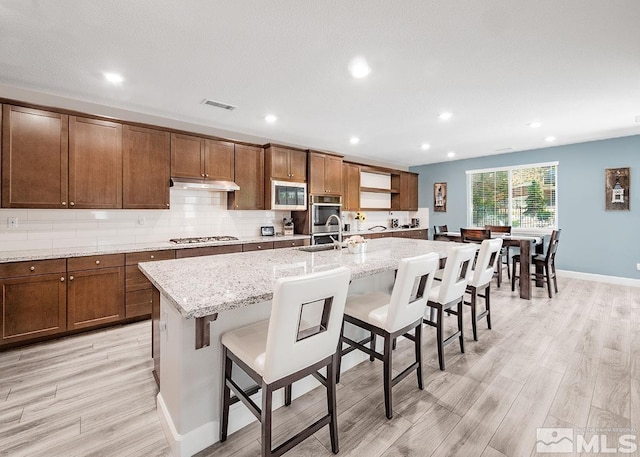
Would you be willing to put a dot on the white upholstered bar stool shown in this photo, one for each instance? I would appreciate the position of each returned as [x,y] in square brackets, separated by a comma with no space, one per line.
[449,293]
[391,316]
[286,348]
[481,276]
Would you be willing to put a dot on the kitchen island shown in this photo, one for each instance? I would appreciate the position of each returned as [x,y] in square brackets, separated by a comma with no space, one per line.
[203,297]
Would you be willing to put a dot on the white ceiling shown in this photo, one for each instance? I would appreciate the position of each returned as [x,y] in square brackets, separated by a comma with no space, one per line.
[498,65]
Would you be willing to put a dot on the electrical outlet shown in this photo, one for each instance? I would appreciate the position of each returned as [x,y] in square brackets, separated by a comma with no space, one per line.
[141,220]
[638,266]
[12,222]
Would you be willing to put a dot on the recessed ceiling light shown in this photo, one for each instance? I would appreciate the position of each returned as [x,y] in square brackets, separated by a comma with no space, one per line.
[535,125]
[354,140]
[451,154]
[359,67]
[550,139]
[445,116]
[271,118]
[425,146]
[114,78]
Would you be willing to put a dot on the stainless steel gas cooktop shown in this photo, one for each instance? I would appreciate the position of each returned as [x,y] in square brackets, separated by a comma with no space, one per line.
[203,239]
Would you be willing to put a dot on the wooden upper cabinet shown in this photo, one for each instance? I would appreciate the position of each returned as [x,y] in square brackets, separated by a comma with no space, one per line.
[350,187]
[219,160]
[249,175]
[187,154]
[95,163]
[34,158]
[146,158]
[286,164]
[407,198]
[325,174]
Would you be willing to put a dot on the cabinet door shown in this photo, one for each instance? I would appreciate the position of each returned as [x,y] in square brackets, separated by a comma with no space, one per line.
[278,161]
[187,155]
[298,165]
[404,191]
[95,297]
[316,174]
[333,175]
[34,158]
[146,156]
[33,306]
[218,160]
[95,163]
[412,200]
[350,187]
[249,176]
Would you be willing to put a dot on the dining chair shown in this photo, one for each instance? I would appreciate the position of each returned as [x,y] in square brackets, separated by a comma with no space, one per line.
[438,229]
[391,316]
[286,348]
[504,257]
[544,264]
[449,293]
[480,281]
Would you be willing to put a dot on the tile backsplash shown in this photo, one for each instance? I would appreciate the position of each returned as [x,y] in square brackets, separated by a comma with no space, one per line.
[192,213]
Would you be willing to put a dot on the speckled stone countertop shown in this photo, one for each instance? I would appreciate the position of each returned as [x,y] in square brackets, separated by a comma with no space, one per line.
[201,286]
[43,254]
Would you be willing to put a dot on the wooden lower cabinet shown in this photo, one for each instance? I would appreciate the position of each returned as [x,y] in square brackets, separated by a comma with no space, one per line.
[138,296]
[33,306]
[95,290]
[291,243]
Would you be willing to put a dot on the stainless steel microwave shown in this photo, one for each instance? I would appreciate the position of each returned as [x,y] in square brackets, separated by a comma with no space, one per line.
[289,195]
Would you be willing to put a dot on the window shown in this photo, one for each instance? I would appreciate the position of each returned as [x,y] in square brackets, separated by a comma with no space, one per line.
[523,196]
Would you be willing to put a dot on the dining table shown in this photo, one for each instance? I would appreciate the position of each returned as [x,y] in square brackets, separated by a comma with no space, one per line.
[528,245]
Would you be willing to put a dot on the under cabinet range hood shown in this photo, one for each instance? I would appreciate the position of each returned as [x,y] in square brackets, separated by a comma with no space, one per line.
[201,184]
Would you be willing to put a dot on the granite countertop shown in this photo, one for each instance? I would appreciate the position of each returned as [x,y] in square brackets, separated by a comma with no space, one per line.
[43,254]
[201,286]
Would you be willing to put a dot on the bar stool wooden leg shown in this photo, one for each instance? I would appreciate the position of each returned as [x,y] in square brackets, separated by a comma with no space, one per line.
[372,346]
[487,303]
[547,272]
[388,351]
[331,403]
[461,337]
[474,314]
[267,400]
[226,400]
[287,395]
[339,352]
[418,343]
[440,337]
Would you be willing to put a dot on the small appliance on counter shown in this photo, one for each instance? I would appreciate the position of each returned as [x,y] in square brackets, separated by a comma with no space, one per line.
[267,230]
[394,223]
[287,225]
[415,222]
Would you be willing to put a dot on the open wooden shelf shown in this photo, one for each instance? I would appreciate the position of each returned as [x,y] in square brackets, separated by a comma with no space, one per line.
[379,191]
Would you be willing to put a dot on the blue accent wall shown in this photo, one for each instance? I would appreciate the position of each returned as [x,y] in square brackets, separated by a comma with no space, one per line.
[593,240]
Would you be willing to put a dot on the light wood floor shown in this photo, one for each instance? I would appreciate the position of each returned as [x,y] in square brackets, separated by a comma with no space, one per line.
[572,361]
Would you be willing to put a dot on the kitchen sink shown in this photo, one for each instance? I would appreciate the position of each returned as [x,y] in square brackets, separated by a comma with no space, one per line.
[316,248]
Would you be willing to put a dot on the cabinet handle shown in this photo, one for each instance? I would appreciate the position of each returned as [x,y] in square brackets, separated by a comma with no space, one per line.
[32,268]
[167,205]
[62,279]
[206,175]
[64,203]
[236,206]
[70,278]
[153,256]
[97,262]
[72,204]
[259,247]
[202,174]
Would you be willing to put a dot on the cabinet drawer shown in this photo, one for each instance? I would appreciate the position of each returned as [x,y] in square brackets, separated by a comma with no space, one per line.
[138,303]
[135,279]
[257,246]
[133,258]
[420,234]
[401,234]
[211,250]
[290,243]
[32,268]
[95,261]
[377,235]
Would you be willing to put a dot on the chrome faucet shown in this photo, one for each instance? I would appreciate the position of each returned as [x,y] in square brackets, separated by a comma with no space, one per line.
[336,244]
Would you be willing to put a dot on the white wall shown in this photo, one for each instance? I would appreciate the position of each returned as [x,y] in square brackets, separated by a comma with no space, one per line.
[192,213]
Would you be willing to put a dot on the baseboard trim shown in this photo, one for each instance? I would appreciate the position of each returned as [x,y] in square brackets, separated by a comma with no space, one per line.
[617,280]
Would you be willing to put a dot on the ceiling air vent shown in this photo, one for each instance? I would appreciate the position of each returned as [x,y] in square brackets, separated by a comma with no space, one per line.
[219,104]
